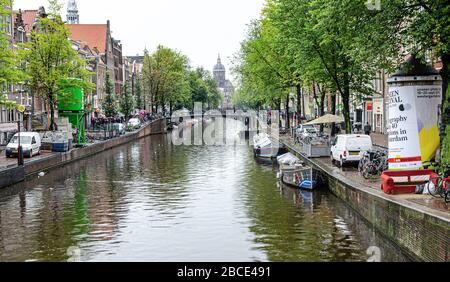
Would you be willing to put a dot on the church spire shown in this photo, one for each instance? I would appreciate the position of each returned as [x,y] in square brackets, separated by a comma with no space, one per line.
[72,12]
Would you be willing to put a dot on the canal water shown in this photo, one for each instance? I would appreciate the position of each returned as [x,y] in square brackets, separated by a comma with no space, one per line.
[153,201]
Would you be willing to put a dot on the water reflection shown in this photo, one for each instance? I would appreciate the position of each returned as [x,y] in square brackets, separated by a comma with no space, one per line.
[152,201]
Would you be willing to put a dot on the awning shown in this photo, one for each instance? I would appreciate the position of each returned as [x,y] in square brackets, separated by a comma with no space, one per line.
[326,119]
[8,127]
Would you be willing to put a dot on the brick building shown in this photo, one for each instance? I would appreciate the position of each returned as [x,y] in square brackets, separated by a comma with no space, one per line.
[106,51]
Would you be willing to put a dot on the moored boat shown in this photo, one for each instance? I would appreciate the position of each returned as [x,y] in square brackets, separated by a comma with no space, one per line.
[264,147]
[294,173]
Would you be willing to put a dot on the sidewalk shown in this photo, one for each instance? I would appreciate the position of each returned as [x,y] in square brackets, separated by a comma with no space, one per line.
[6,163]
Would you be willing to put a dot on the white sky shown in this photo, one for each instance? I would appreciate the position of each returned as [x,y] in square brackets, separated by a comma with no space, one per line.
[199,29]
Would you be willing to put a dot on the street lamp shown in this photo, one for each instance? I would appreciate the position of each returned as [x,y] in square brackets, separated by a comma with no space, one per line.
[20,161]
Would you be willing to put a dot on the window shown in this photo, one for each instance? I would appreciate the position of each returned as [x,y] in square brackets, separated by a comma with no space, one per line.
[8,25]
[355,142]
[23,140]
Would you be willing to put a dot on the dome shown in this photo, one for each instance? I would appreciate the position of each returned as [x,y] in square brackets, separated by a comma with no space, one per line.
[219,66]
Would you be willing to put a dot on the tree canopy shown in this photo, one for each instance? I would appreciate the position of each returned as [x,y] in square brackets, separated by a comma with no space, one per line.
[109,102]
[127,101]
[9,71]
[51,62]
[339,48]
[170,82]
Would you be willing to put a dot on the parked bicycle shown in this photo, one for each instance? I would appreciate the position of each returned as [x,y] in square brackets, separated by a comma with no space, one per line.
[440,187]
[373,164]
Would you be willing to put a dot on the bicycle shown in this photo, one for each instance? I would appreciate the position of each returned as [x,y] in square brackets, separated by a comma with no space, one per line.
[441,188]
[373,164]
[366,159]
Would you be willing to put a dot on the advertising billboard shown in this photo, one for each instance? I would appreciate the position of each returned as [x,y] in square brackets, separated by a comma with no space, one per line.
[414,113]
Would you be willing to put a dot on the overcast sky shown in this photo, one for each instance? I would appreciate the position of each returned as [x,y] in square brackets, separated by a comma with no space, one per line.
[198,28]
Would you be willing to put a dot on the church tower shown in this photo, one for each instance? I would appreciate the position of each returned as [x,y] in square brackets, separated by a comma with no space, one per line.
[72,12]
[219,73]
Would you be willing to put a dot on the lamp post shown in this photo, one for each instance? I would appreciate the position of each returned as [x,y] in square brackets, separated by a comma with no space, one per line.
[19,148]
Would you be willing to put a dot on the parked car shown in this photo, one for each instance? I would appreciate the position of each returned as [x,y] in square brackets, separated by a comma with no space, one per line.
[134,123]
[350,148]
[303,131]
[30,142]
[120,127]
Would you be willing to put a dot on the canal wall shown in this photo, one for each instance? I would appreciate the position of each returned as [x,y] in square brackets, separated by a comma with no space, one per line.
[11,176]
[420,232]
[15,175]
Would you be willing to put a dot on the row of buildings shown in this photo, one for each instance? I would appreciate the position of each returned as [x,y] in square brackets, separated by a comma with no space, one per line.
[92,41]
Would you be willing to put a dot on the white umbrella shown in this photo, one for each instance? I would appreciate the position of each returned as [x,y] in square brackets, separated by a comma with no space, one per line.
[327,119]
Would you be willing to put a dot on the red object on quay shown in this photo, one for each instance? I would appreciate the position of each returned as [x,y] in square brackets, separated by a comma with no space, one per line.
[405,182]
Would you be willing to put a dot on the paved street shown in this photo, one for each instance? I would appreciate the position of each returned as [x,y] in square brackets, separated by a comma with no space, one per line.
[11,162]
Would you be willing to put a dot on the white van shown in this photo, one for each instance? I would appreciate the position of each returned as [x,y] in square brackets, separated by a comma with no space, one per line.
[350,148]
[30,142]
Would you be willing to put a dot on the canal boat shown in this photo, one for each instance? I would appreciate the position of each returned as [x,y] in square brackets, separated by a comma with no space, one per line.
[264,147]
[295,173]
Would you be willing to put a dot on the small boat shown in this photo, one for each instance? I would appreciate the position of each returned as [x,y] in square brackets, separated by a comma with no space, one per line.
[294,173]
[263,147]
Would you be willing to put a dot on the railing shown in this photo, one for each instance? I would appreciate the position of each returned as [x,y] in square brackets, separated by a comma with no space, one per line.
[102,132]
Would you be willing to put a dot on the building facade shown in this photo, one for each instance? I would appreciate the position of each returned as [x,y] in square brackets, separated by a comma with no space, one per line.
[226,87]
[118,65]
[7,117]
[19,25]
[107,54]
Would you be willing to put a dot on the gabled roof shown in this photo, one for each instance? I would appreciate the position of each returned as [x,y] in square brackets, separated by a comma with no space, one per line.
[93,34]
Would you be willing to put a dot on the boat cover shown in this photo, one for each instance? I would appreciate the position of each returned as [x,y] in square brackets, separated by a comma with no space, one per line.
[263,143]
[288,159]
[259,137]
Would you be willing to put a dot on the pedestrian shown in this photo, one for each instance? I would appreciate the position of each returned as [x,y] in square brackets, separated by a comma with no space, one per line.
[367,129]
[337,129]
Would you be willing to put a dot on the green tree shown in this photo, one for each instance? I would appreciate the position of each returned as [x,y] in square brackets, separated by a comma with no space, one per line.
[214,96]
[9,73]
[109,102]
[165,77]
[202,89]
[337,43]
[260,66]
[126,102]
[198,88]
[138,93]
[51,61]
[426,32]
